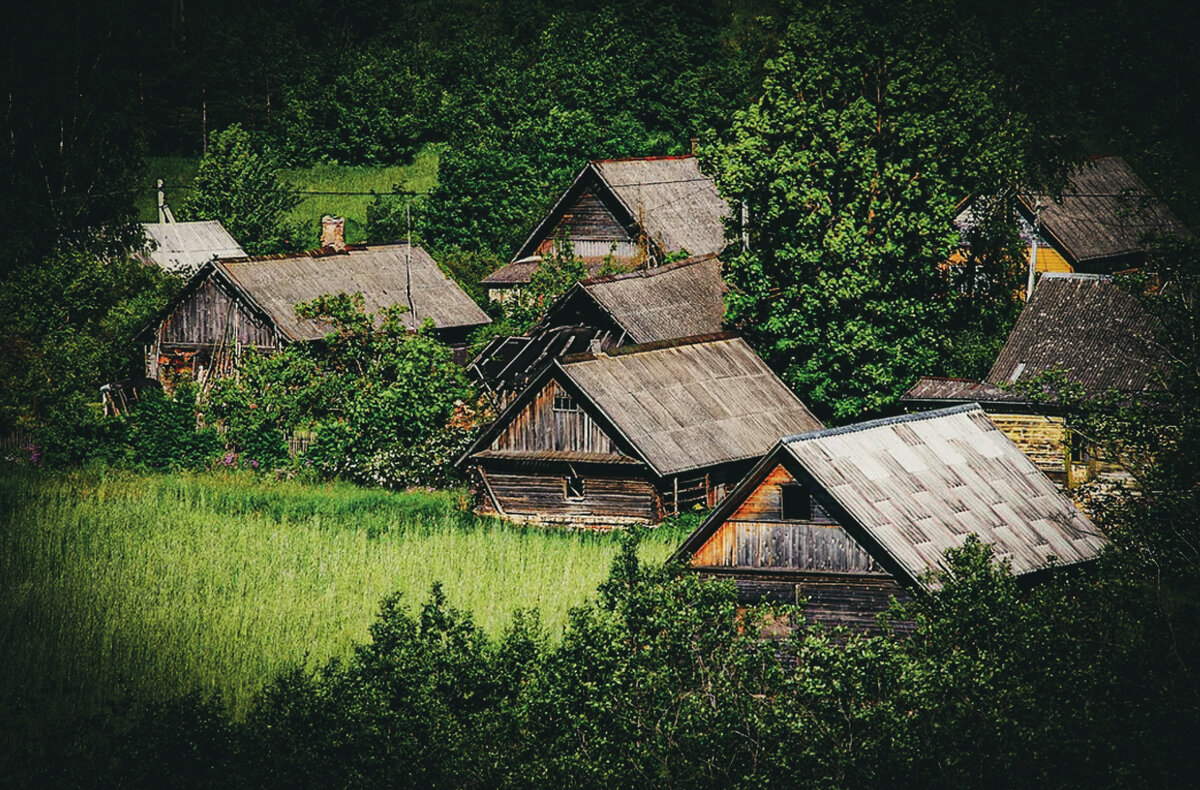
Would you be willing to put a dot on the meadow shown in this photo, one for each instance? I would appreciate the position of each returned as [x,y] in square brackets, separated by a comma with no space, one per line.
[123,587]
[420,175]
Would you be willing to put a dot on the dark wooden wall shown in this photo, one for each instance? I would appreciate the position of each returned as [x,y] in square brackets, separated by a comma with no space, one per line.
[210,316]
[589,218]
[539,427]
[622,492]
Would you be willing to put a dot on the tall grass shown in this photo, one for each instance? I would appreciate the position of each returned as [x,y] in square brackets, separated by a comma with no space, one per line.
[418,176]
[121,586]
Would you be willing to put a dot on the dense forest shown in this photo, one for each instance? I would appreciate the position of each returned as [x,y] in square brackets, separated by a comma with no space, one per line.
[892,113]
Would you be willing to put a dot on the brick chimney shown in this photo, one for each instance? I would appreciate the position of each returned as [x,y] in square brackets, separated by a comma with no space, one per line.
[333,232]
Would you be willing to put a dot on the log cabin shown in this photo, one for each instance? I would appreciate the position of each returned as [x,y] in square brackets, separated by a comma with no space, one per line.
[631,213]
[1097,335]
[683,299]
[632,435]
[844,520]
[234,304]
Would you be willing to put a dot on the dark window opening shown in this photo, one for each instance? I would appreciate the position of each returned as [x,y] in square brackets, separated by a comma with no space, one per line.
[796,503]
[564,402]
[1079,449]
[574,486]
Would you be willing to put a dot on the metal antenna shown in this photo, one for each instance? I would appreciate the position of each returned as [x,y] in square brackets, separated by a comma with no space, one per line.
[408,261]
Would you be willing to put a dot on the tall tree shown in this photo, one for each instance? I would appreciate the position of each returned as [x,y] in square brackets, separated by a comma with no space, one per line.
[874,123]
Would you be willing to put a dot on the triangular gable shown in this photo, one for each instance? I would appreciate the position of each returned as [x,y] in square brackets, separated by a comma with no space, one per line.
[521,407]
[601,198]
[705,542]
[209,272]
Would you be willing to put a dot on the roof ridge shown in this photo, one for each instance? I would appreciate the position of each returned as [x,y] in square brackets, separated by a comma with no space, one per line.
[318,252]
[657,158]
[641,348]
[879,423]
[651,272]
[1076,276]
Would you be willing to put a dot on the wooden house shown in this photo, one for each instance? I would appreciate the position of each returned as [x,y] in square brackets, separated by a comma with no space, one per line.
[1085,326]
[633,435]
[1103,222]
[843,520]
[183,247]
[631,212]
[683,299]
[230,305]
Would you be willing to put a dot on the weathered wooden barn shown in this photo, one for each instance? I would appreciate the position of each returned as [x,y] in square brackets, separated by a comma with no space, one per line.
[633,435]
[230,305]
[1097,335]
[843,520]
[183,247]
[683,299]
[632,212]
[1104,221]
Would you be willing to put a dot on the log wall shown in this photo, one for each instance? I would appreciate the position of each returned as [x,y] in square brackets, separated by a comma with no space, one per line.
[1042,439]
[623,495]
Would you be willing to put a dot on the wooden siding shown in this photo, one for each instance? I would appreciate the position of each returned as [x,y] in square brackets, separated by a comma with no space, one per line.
[545,493]
[210,316]
[1042,439]
[589,218]
[540,427]
[756,536]
[1049,259]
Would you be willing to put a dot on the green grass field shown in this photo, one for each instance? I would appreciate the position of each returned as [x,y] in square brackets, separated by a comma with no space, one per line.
[114,585]
[419,176]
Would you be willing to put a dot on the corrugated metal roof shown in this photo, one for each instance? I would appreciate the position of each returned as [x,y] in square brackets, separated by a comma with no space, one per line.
[920,484]
[380,273]
[183,247]
[668,302]
[1086,325]
[1105,211]
[691,405]
[677,205]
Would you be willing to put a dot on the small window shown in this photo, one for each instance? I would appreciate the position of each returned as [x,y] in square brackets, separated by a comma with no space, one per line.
[574,486]
[1080,452]
[796,503]
[564,402]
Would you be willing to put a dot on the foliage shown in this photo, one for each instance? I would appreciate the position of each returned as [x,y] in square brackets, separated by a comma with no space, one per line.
[163,434]
[387,406]
[867,135]
[238,184]
[67,325]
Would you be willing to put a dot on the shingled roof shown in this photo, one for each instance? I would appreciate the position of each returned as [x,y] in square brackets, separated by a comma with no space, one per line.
[909,488]
[678,300]
[1106,211]
[689,405]
[183,247]
[667,197]
[1084,325]
[276,284]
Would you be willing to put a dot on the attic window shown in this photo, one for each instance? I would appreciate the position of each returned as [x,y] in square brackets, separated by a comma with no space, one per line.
[564,402]
[574,486]
[796,503]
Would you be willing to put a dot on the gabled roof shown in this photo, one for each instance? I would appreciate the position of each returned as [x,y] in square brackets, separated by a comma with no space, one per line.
[521,272]
[668,197]
[1105,211]
[1086,325]
[274,285]
[183,247]
[679,406]
[668,302]
[909,488]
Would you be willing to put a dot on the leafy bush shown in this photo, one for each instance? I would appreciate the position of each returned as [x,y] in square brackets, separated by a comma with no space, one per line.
[163,434]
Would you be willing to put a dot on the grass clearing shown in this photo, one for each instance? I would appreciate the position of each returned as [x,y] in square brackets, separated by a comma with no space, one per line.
[118,586]
[418,176]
